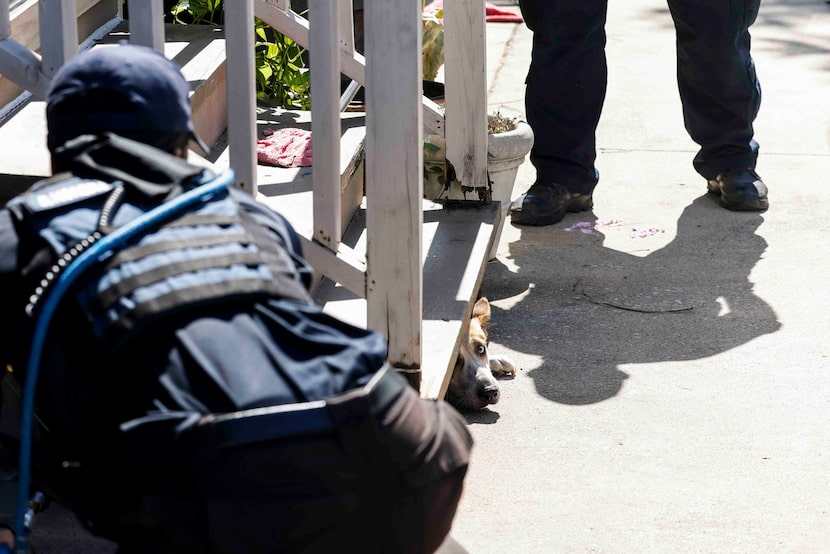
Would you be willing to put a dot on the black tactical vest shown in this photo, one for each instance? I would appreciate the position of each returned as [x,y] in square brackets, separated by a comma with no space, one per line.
[215,253]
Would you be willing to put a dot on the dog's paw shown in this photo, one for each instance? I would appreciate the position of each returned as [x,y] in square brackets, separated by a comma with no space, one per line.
[502,366]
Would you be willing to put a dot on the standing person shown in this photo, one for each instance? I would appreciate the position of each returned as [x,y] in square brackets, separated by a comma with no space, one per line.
[192,397]
[565,92]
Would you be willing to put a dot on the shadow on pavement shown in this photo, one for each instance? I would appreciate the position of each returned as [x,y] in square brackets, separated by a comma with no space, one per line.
[588,309]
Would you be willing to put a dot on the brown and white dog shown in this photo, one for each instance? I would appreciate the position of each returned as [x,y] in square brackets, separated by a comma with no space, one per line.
[473,384]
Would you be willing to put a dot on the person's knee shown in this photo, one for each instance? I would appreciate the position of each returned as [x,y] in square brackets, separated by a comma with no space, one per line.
[422,520]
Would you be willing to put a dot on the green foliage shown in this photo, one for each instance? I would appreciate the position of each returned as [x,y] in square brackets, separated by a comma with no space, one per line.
[198,12]
[281,72]
[433,43]
[437,170]
[282,75]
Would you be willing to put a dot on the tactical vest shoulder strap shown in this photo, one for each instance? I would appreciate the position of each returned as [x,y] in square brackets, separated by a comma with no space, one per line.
[151,173]
[211,255]
[215,253]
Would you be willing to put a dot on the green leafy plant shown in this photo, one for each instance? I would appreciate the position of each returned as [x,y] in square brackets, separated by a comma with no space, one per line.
[430,151]
[281,72]
[282,75]
[198,12]
[432,50]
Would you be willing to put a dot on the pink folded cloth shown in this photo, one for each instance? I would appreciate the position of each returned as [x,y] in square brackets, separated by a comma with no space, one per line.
[493,13]
[286,147]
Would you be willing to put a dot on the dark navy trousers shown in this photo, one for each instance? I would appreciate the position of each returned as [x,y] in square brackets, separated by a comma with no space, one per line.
[567,79]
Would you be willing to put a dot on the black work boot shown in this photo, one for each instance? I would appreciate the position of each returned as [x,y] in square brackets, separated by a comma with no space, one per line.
[546,204]
[740,190]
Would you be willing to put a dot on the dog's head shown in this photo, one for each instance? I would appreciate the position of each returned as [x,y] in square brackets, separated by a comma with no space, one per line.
[472,385]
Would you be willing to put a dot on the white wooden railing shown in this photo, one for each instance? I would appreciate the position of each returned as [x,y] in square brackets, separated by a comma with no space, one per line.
[389,277]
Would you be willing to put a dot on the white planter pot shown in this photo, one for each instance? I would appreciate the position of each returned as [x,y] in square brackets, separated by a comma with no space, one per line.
[505,153]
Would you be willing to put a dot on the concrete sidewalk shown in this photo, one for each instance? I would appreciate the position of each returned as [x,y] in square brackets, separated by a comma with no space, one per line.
[674,391]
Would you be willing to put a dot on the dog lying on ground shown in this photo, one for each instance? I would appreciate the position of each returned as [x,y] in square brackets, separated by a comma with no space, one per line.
[473,384]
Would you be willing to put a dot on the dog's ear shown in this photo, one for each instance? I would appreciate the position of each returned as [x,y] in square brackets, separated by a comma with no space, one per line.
[481,311]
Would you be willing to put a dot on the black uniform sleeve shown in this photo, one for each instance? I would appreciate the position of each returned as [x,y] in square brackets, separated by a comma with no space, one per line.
[9,283]
[12,343]
[8,244]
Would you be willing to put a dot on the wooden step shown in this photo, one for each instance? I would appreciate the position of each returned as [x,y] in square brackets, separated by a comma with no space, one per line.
[198,49]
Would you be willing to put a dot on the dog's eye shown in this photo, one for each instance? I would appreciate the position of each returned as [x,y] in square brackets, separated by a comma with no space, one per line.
[482,350]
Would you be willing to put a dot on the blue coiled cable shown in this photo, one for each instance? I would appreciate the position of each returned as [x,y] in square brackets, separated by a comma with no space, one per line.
[97,252]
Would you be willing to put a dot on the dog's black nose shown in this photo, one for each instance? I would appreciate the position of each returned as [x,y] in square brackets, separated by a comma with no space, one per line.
[489,394]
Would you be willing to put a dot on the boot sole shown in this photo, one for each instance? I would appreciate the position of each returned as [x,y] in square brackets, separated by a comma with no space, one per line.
[539,220]
[742,205]
[758,205]
[522,218]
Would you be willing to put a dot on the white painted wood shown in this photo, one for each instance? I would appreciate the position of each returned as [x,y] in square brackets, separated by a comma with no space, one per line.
[394,176]
[433,117]
[352,63]
[465,76]
[25,21]
[204,66]
[147,23]
[347,46]
[346,268]
[346,25]
[290,192]
[55,33]
[23,132]
[58,33]
[457,243]
[22,66]
[5,20]
[25,24]
[325,120]
[239,40]
[296,26]
[282,18]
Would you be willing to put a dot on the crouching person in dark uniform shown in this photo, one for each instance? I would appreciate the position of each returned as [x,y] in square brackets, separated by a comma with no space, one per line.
[191,396]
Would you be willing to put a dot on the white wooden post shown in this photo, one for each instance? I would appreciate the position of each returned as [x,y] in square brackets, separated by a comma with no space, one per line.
[5,20]
[147,23]
[325,120]
[18,63]
[58,33]
[296,27]
[394,178]
[347,47]
[239,47]
[346,23]
[465,96]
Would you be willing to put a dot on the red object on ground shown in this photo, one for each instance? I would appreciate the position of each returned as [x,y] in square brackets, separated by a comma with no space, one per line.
[288,147]
[493,14]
